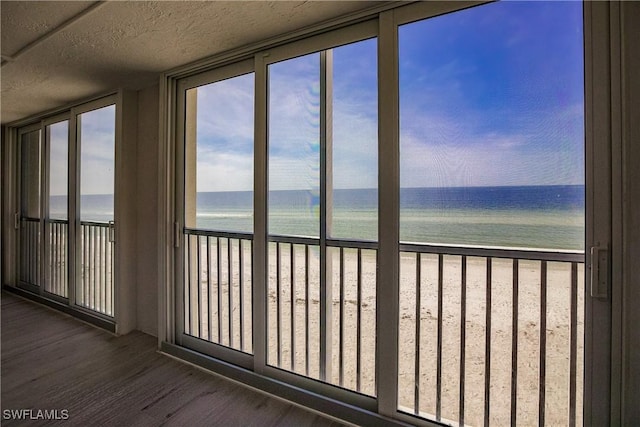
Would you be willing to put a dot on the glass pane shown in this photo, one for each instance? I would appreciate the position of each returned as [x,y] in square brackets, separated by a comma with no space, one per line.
[294,146]
[97,130]
[355,141]
[58,169]
[30,174]
[219,196]
[492,127]
[223,170]
[491,154]
[30,188]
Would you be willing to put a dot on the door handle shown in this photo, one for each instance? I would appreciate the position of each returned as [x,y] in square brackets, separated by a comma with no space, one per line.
[112,226]
[599,272]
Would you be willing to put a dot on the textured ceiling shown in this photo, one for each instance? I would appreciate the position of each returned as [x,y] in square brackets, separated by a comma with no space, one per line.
[55,52]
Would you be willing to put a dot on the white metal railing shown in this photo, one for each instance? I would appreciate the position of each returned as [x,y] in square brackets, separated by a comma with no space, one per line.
[218,287]
[57,280]
[448,351]
[95,289]
[30,270]
[343,354]
[488,336]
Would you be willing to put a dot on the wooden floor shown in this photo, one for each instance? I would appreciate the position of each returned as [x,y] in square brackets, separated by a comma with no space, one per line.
[52,361]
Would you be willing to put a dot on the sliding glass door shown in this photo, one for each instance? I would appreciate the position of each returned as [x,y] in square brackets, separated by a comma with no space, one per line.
[216,213]
[96,131]
[322,215]
[401,221]
[30,222]
[492,215]
[57,219]
[66,217]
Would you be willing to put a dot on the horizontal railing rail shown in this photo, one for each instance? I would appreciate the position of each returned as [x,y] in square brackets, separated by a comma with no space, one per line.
[495,252]
[216,233]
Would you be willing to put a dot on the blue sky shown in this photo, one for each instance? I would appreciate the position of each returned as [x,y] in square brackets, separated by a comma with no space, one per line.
[97,151]
[59,162]
[492,95]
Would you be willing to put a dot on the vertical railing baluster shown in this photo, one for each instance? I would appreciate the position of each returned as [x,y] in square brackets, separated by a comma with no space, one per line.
[251,289]
[219,286]
[306,307]
[50,285]
[94,244]
[31,254]
[50,232]
[543,343]
[463,336]
[96,249]
[105,268]
[439,340]
[573,353]
[55,275]
[514,345]
[199,284]
[60,276]
[65,260]
[56,261]
[416,387]
[358,323]
[292,264]
[99,266]
[85,282]
[487,345]
[189,274]
[209,288]
[278,308]
[230,289]
[111,273]
[241,290]
[341,323]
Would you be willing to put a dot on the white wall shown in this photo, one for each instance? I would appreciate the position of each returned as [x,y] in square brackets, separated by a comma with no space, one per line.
[147,211]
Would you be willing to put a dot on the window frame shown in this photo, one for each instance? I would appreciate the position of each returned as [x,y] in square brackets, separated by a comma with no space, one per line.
[185,84]
[601,27]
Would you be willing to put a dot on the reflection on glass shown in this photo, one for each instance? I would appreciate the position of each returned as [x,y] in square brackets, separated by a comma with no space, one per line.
[58,169]
[96,135]
[30,174]
[355,141]
[491,126]
[294,146]
[223,172]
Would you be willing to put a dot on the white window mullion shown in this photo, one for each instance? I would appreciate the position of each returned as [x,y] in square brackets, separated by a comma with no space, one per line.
[73,208]
[259,274]
[389,217]
[326,191]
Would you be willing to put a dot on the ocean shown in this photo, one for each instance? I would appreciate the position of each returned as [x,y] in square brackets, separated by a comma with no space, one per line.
[547,217]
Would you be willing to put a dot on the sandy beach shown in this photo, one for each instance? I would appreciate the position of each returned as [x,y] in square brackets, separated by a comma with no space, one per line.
[293,328]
